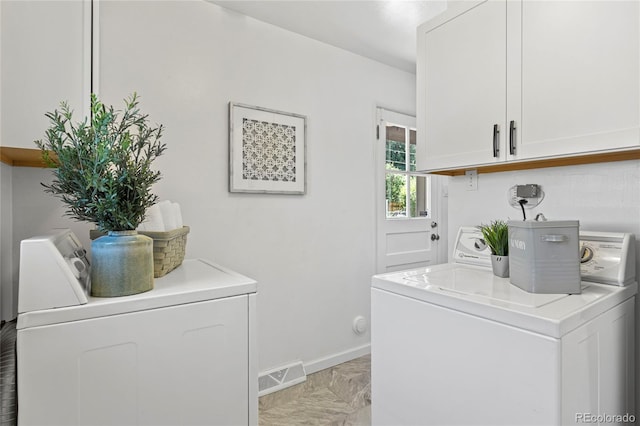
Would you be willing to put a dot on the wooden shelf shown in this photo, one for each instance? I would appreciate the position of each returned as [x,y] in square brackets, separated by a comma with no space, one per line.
[545,162]
[25,157]
[21,157]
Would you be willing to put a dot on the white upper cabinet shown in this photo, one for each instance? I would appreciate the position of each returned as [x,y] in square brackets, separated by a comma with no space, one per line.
[45,51]
[462,88]
[559,78]
[574,70]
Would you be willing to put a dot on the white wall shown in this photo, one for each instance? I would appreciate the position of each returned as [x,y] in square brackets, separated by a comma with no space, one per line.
[603,197]
[312,255]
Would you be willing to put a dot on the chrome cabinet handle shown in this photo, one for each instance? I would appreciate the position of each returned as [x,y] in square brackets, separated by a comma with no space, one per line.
[512,137]
[496,141]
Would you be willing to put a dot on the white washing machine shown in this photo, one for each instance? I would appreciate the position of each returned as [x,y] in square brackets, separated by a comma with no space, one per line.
[183,353]
[453,344]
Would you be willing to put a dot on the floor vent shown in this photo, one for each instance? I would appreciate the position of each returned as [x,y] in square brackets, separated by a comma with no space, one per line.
[281,378]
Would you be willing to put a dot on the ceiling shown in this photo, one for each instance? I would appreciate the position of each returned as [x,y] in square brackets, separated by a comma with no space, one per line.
[384,31]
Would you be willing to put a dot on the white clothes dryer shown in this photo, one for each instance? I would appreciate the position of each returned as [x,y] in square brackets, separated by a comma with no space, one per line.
[183,353]
[453,344]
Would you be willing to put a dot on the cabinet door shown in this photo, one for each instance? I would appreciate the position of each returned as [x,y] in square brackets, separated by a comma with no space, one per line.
[573,76]
[462,88]
[45,59]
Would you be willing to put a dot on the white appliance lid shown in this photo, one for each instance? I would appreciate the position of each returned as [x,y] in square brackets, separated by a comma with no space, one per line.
[196,280]
[462,280]
[476,291]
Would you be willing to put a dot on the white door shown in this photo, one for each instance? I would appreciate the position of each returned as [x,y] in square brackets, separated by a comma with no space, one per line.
[408,230]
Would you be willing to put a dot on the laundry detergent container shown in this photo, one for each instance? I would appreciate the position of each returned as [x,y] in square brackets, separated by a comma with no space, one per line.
[544,257]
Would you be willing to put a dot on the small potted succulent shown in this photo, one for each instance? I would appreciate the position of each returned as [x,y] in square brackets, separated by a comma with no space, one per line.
[496,235]
[103,174]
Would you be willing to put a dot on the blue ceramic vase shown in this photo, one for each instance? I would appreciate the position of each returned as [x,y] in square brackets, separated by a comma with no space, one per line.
[122,264]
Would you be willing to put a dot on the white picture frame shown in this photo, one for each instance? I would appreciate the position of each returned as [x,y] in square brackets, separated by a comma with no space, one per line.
[267,150]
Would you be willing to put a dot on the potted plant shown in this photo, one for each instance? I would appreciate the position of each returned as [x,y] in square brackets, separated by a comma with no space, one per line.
[103,174]
[496,235]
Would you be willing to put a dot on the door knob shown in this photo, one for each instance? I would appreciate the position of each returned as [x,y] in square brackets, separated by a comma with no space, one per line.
[435,237]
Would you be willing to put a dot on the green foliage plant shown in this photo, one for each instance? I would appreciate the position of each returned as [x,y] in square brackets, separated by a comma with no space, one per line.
[103,164]
[496,235]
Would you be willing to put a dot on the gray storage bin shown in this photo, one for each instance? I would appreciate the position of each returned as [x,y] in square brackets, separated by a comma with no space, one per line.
[544,257]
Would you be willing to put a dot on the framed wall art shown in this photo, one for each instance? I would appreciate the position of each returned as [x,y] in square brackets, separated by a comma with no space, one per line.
[267,150]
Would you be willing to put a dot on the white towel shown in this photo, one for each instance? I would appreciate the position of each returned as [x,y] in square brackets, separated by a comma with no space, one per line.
[177,214]
[161,217]
[153,221]
[168,215]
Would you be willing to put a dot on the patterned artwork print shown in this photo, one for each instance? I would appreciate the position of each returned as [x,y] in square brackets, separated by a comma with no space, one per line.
[268,151]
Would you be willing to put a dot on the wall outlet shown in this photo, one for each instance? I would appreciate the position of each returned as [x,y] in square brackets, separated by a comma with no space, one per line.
[472,180]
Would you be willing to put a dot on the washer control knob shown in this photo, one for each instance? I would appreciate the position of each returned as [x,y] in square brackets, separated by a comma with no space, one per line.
[77,266]
[586,254]
[480,244]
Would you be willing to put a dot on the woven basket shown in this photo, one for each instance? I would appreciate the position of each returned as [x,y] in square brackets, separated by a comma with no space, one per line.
[168,248]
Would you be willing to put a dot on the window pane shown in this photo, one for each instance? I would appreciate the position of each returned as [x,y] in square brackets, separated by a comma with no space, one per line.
[396,148]
[412,150]
[418,196]
[396,195]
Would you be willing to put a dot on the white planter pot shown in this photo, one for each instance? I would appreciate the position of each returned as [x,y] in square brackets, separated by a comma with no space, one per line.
[500,265]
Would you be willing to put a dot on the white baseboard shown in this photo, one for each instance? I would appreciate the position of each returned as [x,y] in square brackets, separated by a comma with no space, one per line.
[335,359]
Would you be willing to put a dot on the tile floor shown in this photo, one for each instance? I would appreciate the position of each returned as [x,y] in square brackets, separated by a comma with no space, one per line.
[337,396]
